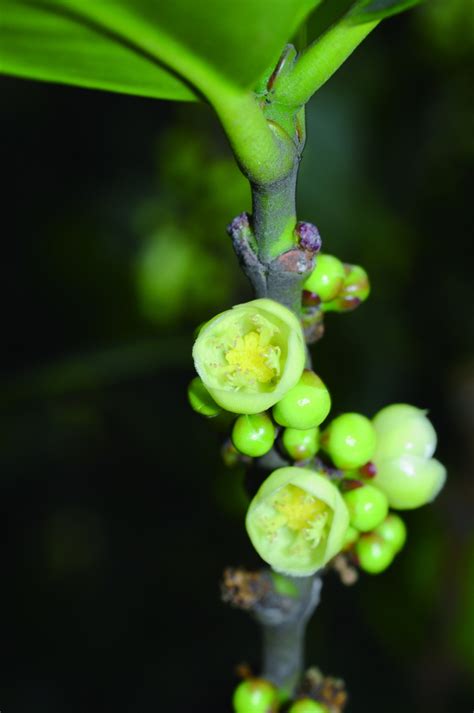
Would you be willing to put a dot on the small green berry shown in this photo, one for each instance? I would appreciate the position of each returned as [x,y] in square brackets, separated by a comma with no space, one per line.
[301,444]
[201,400]
[304,406]
[356,283]
[255,695]
[374,554]
[410,482]
[307,705]
[350,440]
[393,530]
[367,506]
[327,278]
[351,537]
[356,289]
[253,435]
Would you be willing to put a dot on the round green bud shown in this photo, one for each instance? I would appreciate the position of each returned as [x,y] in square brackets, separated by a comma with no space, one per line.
[367,506]
[201,400]
[250,356]
[374,554]
[255,695]
[253,435]
[350,441]
[304,406]
[307,705]
[409,481]
[356,283]
[354,291]
[351,537]
[301,444]
[297,521]
[393,530]
[327,277]
[400,429]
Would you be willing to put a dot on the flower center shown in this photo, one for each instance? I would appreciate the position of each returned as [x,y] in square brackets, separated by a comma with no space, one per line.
[253,359]
[303,513]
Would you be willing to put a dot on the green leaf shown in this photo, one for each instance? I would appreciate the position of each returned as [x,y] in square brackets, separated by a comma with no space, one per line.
[38,42]
[369,10]
[170,49]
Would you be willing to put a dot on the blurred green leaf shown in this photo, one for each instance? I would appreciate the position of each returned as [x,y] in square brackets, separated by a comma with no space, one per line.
[449,26]
[177,276]
[41,41]
[184,266]
[368,10]
[96,369]
[147,47]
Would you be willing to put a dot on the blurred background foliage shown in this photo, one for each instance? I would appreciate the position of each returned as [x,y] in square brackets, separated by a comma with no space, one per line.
[118,516]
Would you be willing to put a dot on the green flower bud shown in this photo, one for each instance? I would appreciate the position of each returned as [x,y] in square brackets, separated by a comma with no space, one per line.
[367,506]
[374,553]
[351,537]
[301,444]
[356,283]
[255,695]
[354,291]
[253,435]
[327,277]
[400,429]
[297,521]
[201,400]
[350,440]
[393,530]
[304,406]
[250,356]
[410,481]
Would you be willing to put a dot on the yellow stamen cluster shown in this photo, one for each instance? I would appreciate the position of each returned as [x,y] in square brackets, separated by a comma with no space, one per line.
[302,511]
[253,358]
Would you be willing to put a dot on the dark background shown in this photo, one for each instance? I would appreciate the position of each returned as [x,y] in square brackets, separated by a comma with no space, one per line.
[117,515]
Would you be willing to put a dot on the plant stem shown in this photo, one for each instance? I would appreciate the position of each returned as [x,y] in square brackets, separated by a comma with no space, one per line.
[274,216]
[268,251]
[262,152]
[269,254]
[318,62]
[284,633]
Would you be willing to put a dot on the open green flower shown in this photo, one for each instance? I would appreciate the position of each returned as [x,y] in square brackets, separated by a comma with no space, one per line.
[250,356]
[297,521]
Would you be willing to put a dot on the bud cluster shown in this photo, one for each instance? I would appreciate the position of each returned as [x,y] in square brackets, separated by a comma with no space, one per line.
[335,492]
[336,286]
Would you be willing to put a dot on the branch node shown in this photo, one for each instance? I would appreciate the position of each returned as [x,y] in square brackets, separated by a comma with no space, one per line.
[331,692]
[243,589]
